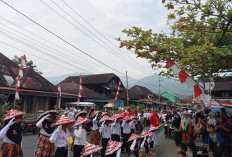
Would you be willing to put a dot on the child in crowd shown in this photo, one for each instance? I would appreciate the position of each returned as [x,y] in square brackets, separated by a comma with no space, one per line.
[215,142]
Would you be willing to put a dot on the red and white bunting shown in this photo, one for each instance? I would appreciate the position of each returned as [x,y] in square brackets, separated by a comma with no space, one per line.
[59,90]
[184,77]
[20,75]
[119,85]
[212,85]
[80,89]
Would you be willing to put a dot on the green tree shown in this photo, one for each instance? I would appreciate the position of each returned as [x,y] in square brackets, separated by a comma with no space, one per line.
[29,64]
[200,39]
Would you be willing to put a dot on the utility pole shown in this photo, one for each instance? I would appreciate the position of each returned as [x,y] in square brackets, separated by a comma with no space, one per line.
[159,88]
[127,97]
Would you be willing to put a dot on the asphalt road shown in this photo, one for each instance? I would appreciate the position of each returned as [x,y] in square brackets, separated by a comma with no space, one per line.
[166,146]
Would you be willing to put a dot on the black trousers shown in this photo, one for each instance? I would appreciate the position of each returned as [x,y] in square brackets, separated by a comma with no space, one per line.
[177,138]
[132,130]
[77,150]
[61,152]
[104,145]
[125,143]
[115,137]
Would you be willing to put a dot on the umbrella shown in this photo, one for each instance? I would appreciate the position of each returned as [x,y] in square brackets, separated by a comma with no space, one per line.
[109,105]
[216,109]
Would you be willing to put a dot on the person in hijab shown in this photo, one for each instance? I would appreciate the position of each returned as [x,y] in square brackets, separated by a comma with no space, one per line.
[185,127]
[155,121]
[11,135]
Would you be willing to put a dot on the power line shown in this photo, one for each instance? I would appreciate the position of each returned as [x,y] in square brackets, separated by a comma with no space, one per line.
[40,37]
[60,37]
[54,51]
[106,46]
[96,29]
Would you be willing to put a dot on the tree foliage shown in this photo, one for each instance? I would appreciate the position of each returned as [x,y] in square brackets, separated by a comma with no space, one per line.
[200,40]
[29,64]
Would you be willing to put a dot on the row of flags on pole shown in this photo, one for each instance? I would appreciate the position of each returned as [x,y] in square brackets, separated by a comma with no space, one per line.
[184,77]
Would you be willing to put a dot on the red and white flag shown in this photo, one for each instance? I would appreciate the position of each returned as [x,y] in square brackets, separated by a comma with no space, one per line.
[20,75]
[184,77]
[119,85]
[59,90]
[212,85]
[80,89]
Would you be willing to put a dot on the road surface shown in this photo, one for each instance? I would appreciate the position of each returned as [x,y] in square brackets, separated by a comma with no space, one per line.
[166,146]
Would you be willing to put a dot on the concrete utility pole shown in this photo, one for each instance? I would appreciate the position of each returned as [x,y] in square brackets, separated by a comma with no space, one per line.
[160,80]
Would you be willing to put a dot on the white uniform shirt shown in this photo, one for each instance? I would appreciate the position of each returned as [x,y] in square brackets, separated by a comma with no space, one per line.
[126,127]
[80,136]
[95,126]
[132,125]
[39,124]
[59,136]
[71,115]
[116,128]
[3,135]
[105,130]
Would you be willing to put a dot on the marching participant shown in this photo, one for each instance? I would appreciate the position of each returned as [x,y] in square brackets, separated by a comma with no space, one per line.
[105,130]
[11,135]
[80,136]
[132,124]
[134,148]
[60,135]
[116,128]
[126,133]
[185,127]
[155,121]
[46,124]
[95,136]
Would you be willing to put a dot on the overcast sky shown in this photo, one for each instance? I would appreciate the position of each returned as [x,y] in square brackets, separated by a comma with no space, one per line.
[54,57]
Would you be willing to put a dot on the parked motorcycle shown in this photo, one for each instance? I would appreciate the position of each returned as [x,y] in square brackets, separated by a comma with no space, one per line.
[30,126]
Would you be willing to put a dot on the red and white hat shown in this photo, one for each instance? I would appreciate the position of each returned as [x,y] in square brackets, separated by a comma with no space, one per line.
[80,120]
[106,118]
[13,113]
[146,133]
[132,117]
[47,112]
[133,137]
[94,113]
[89,149]
[103,114]
[127,118]
[77,114]
[64,120]
[112,146]
[116,116]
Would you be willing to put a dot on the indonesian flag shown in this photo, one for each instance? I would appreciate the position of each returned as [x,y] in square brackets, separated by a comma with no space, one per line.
[59,90]
[212,85]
